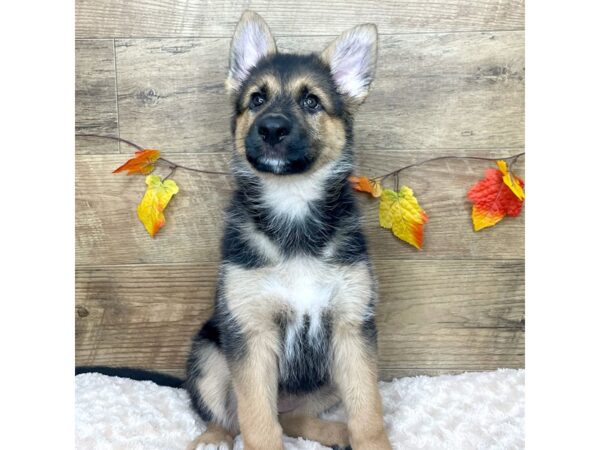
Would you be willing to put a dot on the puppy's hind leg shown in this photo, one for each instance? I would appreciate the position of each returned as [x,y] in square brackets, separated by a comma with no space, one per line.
[331,434]
[303,421]
[211,393]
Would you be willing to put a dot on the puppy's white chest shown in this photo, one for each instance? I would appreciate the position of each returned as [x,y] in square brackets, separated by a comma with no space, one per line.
[303,285]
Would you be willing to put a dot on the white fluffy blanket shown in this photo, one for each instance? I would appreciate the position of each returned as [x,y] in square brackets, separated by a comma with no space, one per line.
[483,410]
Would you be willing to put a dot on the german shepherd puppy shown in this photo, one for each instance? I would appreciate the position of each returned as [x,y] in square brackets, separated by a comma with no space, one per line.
[293,329]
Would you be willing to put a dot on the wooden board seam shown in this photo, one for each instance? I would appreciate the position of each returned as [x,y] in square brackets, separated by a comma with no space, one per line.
[206,36]
[373,258]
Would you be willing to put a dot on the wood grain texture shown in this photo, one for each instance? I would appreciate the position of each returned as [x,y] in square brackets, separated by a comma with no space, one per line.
[109,232]
[431,91]
[95,95]
[449,81]
[172,18]
[433,316]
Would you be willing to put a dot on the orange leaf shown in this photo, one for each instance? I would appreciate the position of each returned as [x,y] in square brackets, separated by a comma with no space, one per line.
[142,162]
[363,184]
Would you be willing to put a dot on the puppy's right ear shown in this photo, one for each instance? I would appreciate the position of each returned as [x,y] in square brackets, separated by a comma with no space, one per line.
[252,41]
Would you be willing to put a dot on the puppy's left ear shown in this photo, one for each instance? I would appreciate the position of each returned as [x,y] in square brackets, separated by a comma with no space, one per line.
[351,59]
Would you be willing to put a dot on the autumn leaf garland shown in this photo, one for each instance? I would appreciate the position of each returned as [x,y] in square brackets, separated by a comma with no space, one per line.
[500,193]
[497,195]
[158,192]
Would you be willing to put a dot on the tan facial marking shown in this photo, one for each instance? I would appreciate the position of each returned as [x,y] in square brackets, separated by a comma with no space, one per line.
[267,82]
[242,126]
[296,85]
[272,85]
[299,84]
[331,138]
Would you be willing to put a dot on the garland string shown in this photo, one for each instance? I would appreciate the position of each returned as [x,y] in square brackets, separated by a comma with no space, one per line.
[172,165]
[395,173]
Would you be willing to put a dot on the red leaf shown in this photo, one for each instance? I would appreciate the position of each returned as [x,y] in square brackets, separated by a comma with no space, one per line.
[492,199]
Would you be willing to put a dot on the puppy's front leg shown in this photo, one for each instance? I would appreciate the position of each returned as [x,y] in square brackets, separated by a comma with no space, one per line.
[255,384]
[355,373]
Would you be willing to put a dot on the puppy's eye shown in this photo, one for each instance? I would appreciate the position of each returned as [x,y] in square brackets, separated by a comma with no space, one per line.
[311,102]
[257,99]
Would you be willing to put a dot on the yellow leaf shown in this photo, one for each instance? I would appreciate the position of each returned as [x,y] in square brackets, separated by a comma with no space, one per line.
[401,212]
[389,200]
[155,200]
[509,180]
[483,218]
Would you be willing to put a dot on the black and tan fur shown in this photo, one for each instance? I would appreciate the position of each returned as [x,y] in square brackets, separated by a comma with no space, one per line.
[293,329]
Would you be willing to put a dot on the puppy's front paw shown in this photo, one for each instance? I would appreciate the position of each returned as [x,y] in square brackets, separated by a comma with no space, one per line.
[378,442]
[213,446]
[212,440]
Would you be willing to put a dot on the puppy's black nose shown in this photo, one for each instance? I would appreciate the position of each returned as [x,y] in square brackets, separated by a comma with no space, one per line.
[274,128]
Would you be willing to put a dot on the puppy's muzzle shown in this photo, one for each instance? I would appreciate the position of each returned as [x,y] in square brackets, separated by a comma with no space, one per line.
[274,129]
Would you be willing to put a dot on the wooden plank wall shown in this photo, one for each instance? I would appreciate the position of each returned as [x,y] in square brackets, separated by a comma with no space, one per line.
[449,82]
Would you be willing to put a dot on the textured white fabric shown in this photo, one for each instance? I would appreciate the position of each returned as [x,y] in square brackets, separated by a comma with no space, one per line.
[480,410]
